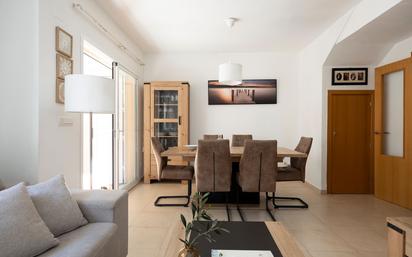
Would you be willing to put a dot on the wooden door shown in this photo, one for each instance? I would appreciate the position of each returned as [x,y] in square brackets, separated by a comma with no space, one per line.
[393,130]
[350,126]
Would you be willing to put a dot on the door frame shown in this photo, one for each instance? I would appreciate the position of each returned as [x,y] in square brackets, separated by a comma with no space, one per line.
[329,171]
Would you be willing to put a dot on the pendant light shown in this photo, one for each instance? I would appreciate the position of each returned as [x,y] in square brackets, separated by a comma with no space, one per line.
[230,73]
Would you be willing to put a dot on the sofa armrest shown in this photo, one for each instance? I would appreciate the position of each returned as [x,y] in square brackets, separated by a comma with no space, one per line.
[101,205]
[106,206]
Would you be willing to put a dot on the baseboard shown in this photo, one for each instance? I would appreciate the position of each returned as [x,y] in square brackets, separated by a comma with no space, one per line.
[320,191]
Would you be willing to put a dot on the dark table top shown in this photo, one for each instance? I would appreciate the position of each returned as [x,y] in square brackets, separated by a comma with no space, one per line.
[242,236]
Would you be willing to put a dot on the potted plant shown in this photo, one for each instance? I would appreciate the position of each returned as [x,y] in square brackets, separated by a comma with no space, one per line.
[199,213]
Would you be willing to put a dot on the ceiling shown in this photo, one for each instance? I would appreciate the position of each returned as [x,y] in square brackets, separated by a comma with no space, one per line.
[198,26]
[370,44]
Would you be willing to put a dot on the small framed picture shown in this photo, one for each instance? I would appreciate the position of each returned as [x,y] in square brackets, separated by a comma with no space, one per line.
[64,42]
[349,76]
[59,91]
[64,66]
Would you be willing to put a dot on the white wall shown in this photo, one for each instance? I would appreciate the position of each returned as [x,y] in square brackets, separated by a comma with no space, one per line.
[33,146]
[312,83]
[399,51]
[277,121]
[18,91]
[59,146]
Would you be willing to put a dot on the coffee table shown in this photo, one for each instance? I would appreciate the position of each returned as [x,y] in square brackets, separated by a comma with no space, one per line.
[244,236]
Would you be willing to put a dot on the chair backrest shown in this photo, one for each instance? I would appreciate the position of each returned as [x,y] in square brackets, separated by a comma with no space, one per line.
[212,137]
[161,162]
[213,166]
[258,166]
[239,140]
[304,146]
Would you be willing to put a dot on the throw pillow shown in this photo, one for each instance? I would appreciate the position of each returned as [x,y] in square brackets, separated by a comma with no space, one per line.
[56,207]
[22,232]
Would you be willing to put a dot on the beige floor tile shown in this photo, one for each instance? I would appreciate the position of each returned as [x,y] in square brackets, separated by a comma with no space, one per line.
[321,240]
[362,239]
[135,252]
[146,238]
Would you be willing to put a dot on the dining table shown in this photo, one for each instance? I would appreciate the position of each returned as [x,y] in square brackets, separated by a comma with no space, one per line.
[188,153]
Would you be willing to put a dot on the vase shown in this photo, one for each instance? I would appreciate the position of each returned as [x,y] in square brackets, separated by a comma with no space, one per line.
[188,252]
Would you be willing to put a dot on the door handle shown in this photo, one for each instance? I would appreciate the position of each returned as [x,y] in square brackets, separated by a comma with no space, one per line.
[180,120]
[381,133]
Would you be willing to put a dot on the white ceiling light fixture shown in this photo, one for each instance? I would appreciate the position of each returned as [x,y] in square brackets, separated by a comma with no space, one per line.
[230,73]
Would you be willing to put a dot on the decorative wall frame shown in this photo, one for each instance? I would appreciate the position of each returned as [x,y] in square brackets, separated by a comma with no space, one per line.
[349,76]
[60,91]
[251,91]
[64,66]
[64,42]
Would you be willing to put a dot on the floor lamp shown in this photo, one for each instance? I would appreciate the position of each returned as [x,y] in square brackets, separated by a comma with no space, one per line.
[91,94]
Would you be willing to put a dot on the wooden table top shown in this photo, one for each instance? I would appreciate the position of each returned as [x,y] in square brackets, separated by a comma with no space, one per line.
[186,152]
[285,242]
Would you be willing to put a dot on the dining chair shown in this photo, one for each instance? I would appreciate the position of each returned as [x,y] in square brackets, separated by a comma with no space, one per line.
[239,140]
[295,172]
[212,137]
[172,172]
[258,170]
[213,168]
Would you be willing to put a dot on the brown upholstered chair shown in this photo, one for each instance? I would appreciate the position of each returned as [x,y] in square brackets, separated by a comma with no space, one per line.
[258,169]
[213,168]
[212,137]
[295,172]
[239,140]
[165,171]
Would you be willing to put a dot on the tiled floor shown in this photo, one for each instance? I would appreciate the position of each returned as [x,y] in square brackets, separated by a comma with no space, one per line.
[333,226]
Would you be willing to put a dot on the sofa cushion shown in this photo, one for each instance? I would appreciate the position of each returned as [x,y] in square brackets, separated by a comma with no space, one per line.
[55,205]
[94,239]
[22,232]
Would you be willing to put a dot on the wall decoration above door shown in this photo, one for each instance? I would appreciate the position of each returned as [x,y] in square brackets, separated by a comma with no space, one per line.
[349,76]
[250,91]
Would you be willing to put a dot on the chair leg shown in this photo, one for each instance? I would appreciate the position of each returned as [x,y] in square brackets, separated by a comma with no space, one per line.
[303,204]
[227,206]
[267,199]
[189,193]
[237,205]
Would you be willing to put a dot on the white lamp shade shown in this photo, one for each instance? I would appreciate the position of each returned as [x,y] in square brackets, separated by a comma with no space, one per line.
[86,93]
[230,73]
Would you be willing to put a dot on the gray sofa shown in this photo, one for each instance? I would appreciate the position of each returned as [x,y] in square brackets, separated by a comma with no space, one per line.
[106,234]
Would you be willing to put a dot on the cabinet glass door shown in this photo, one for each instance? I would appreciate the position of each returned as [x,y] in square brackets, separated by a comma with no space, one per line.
[166,116]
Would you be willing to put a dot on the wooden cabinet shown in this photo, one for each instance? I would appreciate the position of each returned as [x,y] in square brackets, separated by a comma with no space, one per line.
[166,116]
[399,236]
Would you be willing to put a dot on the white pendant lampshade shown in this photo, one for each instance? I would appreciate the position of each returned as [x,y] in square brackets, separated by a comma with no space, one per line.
[86,93]
[230,74]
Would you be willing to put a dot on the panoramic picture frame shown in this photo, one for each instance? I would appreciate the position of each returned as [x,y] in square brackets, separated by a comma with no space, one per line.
[251,91]
[349,76]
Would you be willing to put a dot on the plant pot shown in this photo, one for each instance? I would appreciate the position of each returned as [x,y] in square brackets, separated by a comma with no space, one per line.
[188,252]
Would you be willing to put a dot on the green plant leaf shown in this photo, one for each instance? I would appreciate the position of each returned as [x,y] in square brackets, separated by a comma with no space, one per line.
[224,230]
[182,217]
